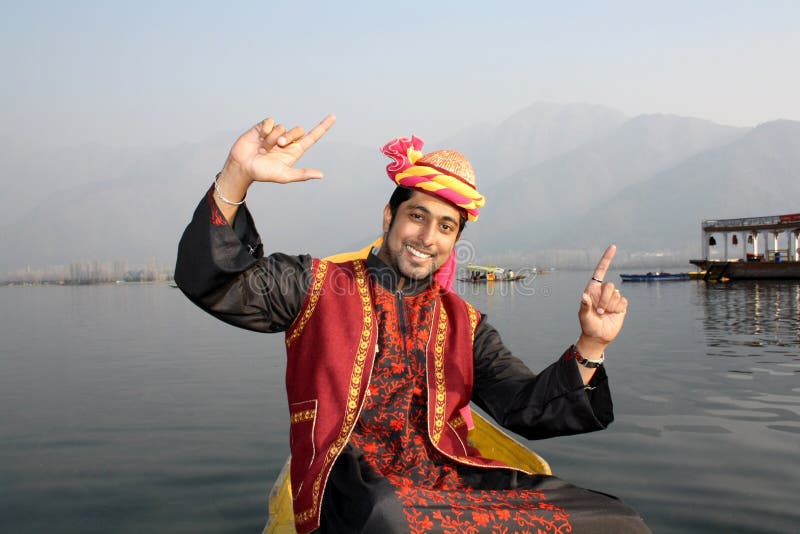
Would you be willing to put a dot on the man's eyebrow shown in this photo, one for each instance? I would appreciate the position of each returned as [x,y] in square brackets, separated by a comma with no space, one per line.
[420,207]
[427,211]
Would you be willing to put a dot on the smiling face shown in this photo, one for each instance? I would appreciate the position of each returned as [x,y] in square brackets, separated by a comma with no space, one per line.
[421,236]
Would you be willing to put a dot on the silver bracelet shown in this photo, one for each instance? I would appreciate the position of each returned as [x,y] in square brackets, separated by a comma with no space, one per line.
[586,362]
[222,198]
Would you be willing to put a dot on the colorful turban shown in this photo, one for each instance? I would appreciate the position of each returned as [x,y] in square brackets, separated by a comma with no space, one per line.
[446,174]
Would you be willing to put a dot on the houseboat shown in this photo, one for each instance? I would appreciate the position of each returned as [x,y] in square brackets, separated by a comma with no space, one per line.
[740,254]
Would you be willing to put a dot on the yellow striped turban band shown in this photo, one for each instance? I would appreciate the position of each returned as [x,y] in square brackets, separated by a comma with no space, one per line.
[446,174]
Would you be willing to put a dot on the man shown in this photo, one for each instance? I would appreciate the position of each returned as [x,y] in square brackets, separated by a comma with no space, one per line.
[383,359]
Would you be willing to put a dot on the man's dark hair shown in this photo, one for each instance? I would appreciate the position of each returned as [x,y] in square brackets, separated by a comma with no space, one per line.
[401,194]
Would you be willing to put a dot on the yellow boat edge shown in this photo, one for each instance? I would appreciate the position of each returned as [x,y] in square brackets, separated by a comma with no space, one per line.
[486,437]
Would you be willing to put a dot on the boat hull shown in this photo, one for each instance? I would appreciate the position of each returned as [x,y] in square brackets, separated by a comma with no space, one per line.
[485,281]
[654,277]
[753,270]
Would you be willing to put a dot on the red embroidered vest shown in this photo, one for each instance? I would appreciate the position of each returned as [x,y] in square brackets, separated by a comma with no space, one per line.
[330,350]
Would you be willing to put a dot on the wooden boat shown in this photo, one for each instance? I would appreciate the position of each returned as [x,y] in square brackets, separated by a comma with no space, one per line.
[486,437]
[481,274]
[654,277]
[488,281]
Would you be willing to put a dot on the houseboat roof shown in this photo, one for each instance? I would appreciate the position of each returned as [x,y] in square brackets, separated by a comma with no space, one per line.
[772,222]
[485,268]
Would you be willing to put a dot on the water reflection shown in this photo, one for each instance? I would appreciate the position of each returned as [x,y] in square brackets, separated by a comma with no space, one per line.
[743,315]
[707,400]
[752,335]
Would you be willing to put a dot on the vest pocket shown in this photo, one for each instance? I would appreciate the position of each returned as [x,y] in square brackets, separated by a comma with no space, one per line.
[303,418]
[460,428]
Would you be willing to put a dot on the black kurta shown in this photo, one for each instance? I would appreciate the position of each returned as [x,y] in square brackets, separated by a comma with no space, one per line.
[390,478]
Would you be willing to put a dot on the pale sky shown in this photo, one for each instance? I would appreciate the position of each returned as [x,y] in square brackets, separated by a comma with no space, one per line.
[169,72]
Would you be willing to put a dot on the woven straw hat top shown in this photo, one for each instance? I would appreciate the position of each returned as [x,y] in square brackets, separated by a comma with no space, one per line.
[451,162]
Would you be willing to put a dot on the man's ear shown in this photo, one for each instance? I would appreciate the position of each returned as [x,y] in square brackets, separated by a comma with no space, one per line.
[387,218]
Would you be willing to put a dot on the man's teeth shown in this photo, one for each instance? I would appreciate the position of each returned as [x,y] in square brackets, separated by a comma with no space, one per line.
[417,253]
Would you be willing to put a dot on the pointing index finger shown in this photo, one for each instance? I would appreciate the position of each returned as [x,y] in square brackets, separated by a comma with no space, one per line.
[604,263]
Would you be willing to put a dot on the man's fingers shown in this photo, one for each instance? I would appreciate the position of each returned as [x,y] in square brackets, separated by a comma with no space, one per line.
[617,303]
[272,137]
[265,127]
[623,305]
[603,265]
[293,135]
[317,132]
[607,291]
[301,175]
[612,306]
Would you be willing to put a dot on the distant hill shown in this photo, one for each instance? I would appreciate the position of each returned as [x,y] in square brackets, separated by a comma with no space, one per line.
[32,174]
[530,136]
[531,208]
[128,207]
[578,177]
[756,175]
[140,210]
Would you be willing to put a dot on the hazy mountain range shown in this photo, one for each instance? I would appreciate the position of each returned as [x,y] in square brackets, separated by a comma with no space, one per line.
[560,180]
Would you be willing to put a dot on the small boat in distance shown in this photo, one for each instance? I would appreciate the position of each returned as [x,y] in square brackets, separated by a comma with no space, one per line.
[654,277]
[481,274]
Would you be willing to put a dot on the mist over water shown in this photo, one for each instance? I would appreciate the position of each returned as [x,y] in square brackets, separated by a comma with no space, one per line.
[125,408]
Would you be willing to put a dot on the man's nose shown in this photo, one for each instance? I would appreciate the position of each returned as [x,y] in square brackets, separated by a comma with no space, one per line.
[426,234]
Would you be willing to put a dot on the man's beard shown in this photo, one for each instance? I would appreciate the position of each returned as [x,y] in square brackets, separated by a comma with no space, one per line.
[397,262]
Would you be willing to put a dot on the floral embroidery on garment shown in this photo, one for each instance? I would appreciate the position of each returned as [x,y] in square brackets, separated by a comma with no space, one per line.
[392,434]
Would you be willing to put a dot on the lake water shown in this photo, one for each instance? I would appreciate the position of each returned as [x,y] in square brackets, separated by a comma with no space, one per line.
[125,408]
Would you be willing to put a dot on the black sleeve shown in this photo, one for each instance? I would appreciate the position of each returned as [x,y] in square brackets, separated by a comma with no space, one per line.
[223,270]
[552,403]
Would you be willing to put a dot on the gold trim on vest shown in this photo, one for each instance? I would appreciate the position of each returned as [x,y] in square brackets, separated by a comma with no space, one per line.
[305,415]
[353,406]
[304,517]
[473,319]
[457,422]
[440,395]
[319,277]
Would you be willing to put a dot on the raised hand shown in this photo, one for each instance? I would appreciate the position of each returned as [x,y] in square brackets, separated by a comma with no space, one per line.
[603,308]
[267,152]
